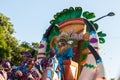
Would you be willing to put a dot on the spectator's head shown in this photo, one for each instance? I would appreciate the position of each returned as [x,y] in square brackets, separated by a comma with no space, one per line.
[26,55]
[30,64]
[7,65]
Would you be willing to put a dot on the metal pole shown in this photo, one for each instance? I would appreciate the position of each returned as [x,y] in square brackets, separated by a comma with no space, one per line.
[109,14]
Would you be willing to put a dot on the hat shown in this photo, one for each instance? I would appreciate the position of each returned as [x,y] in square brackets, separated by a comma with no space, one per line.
[52,51]
[28,54]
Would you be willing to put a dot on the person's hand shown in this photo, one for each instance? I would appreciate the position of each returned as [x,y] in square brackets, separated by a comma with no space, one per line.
[30,77]
[18,73]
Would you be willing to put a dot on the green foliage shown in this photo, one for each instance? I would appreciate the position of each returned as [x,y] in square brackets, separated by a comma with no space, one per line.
[10,48]
[6,24]
[6,37]
[25,46]
[35,45]
[2,39]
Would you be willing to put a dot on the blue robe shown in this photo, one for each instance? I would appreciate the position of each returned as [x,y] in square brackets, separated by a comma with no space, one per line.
[66,55]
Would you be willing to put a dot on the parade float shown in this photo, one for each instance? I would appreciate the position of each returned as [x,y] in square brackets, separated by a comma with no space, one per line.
[69,49]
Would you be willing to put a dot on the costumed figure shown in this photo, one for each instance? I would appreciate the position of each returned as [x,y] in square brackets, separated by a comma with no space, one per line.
[50,65]
[64,50]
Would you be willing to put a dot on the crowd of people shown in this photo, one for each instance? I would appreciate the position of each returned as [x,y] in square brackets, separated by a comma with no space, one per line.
[28,69]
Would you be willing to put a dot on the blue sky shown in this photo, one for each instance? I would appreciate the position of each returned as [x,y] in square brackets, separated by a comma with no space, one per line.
[31,18]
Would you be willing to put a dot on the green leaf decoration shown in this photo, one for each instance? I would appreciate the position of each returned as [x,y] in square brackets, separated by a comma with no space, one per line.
[63,16]
[96,26]
[91,22]
[91,15]
[85,14]
[88,15]
[101,40]
[101,34]
[67,14]
[90,66]
[77,12]
[71,13]
[52,21]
